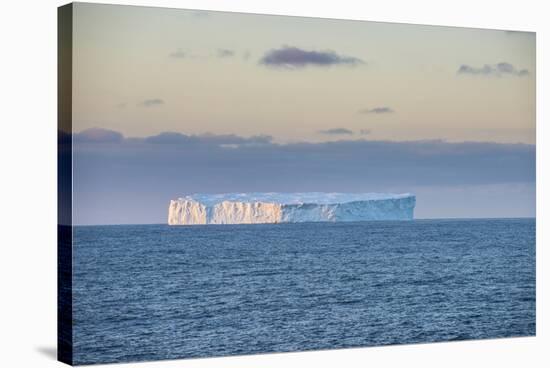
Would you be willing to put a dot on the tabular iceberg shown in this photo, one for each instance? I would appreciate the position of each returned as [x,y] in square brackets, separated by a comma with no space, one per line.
[259,208]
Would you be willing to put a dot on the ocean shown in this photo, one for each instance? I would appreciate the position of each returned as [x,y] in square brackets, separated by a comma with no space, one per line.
[148,292]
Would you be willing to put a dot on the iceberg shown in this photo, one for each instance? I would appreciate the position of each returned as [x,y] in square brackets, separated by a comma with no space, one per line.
[272,208]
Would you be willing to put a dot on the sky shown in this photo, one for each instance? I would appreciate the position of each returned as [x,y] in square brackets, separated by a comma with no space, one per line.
[168,102]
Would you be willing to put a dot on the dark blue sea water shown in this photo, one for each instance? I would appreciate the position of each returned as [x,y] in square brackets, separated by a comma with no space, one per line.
[157,292]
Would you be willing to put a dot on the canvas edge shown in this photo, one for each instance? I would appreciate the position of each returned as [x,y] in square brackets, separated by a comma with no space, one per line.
[64,184]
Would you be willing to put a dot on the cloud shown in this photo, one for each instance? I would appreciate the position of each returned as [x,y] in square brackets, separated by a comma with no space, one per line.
[169,138]
[207,139]
[98,135]
[225,53]
[232,139]
[365,131]
[151,102]
[497,70]
[288,57]
[178,54]
[377,110]
[336,131]
[220,53]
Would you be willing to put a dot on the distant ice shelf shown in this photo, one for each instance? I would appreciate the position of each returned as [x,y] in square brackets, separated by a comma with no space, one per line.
[260,208]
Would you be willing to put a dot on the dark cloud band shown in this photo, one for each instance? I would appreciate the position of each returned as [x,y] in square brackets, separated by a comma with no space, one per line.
[98,135]
[207,139]
[144,176]
[349,162]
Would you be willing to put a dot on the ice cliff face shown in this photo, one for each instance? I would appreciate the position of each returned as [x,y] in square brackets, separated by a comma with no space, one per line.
[257,208]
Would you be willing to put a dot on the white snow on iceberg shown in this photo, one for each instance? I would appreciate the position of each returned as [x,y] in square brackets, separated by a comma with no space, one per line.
[258,208]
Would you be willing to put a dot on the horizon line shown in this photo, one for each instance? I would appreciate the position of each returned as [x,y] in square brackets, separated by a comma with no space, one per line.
[311,222]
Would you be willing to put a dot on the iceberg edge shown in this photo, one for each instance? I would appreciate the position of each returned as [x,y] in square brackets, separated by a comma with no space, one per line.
[272,208]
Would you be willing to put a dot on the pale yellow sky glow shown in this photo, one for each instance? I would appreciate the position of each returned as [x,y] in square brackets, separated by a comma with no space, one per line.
[142,71]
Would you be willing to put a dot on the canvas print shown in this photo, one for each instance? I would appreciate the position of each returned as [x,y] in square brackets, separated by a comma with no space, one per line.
[238,183]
